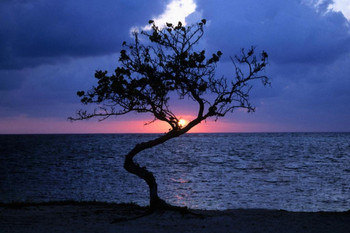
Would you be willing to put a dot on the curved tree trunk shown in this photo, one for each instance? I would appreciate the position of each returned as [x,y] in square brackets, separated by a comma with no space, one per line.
[143,173]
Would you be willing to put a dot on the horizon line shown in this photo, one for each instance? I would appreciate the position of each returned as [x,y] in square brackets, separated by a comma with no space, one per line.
[253,132]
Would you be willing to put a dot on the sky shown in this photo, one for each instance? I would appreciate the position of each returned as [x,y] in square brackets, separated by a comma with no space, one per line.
[51,49]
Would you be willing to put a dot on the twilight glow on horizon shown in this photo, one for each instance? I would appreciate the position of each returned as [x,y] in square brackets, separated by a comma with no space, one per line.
[51,49]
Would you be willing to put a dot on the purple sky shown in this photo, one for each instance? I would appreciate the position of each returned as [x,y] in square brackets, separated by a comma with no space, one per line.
[50,49]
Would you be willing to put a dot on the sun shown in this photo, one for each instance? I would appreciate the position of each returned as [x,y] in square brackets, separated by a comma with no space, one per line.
[182,123]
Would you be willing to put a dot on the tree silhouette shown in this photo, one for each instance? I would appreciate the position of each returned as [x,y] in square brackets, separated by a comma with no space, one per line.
[164,66]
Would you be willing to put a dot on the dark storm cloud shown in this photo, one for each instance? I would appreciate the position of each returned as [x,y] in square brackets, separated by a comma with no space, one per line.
[291,31]
[36,32]
[51,49]
[49,90]
[308,48]
[10,80]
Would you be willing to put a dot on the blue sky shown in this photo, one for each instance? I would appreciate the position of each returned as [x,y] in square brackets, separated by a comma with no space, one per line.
[50,49]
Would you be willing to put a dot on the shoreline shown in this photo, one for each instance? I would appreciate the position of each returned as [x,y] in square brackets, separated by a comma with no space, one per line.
[71,216]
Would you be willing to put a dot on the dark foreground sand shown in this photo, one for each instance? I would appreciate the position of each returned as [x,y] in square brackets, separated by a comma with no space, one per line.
[101,217]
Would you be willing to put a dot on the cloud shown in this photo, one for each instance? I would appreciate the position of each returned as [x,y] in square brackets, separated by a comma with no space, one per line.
[50,90]
[309,49]
[10,80]
[38,32]
[290,31]
[50,49]
[176,10]
[341,6]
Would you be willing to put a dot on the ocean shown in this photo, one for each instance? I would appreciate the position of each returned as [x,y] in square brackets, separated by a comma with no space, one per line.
[289,171]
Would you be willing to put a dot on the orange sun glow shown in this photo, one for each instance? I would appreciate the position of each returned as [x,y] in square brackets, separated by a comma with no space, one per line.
[182,123]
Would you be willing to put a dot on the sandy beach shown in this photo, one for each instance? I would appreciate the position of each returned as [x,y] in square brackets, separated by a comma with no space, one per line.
[102,217]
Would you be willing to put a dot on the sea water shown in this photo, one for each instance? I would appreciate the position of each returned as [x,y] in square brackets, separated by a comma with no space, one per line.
[290,171]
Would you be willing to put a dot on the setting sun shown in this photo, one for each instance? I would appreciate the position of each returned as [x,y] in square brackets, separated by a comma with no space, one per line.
[182,123]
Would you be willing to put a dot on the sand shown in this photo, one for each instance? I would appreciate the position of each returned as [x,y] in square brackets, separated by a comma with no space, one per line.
[102,217]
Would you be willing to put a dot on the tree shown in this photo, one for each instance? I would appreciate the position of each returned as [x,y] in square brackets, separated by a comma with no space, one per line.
[165,66]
